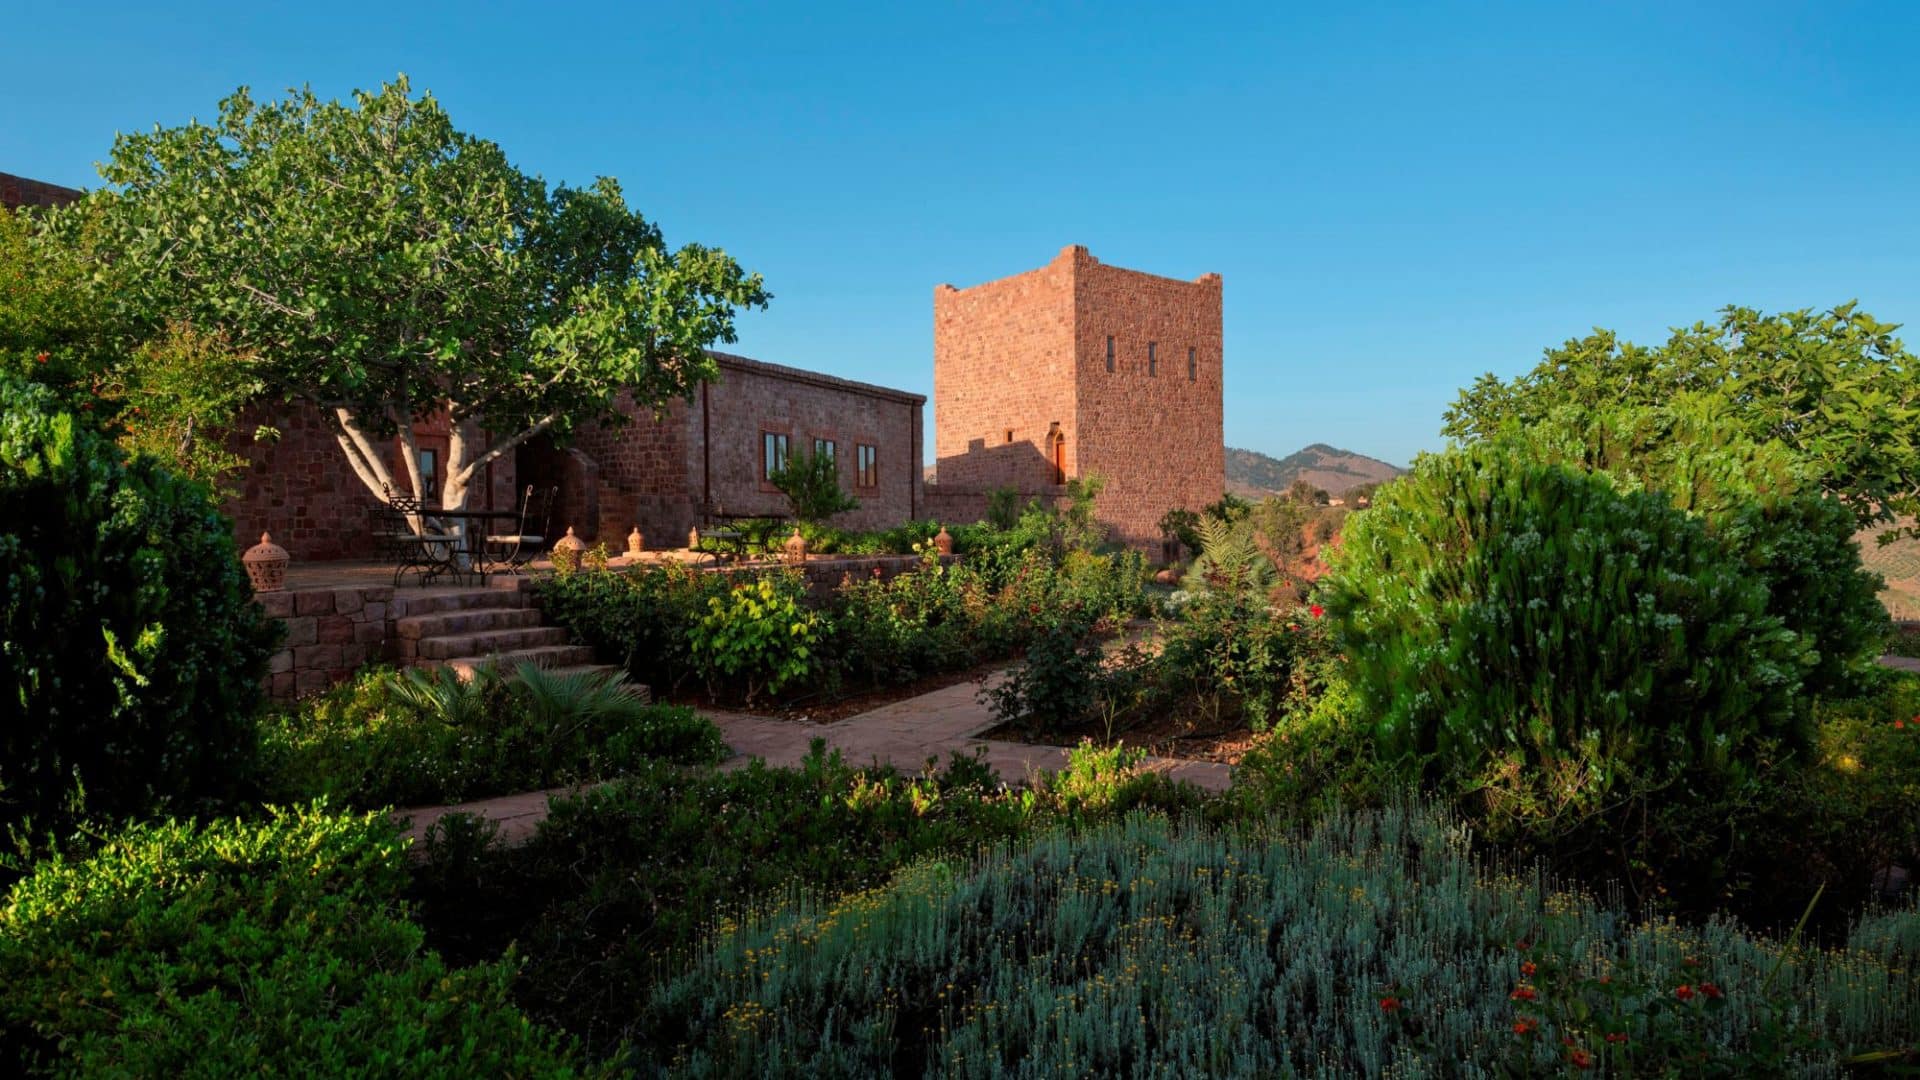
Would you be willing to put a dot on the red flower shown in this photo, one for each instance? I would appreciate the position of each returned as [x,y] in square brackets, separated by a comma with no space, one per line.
[1711,991]
[1528,968]
[1389,1004]
[1581,1059]
[1616,1037]
[1316,611]
[1899,724]
[41,358]
[1683,992]
[1523,992]
[1524,1026]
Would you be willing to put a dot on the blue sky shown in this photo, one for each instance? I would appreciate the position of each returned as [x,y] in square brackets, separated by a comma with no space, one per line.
[1399,198]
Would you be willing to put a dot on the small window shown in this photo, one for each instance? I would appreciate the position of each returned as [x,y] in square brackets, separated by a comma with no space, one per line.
[1109,352]
[774,453]
[825,448]
[867,460]
[429,474]
[1009,434]
[1192,365]
[1153,359]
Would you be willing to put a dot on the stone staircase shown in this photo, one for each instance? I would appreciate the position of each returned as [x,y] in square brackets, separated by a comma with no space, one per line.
[466,629]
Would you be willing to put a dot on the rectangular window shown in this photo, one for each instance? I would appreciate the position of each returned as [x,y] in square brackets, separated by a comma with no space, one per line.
[1109,352]
[824,448]
[429,474]
[774,454]
[1192,366]
[1153,358]
[867,458]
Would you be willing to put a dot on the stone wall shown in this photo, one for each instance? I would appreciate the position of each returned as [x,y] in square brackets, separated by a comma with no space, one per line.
[17,191]
[1155,434]
[300,488]
[1079,368]
[1003,379]
[330,634]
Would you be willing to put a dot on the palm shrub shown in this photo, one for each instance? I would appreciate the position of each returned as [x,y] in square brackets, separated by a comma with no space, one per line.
[131,651]
[1527,631]
[273,947]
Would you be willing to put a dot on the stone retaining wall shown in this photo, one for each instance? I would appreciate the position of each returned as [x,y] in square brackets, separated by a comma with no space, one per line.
[331,633]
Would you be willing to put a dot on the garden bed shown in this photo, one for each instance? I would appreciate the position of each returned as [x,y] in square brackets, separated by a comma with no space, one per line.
[1163,737]
[825,707]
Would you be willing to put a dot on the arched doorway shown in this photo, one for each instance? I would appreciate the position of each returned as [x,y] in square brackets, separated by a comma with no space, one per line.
[1057,454]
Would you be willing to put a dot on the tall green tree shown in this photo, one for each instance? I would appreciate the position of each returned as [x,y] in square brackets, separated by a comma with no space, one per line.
[1835,388]
[385,267]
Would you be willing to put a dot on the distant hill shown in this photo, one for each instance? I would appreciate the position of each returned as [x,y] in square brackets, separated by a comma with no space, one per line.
[1253,475]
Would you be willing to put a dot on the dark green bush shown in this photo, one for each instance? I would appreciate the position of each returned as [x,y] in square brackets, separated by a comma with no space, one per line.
[637,619]
[1525,632]
[1057,686]
[271,948]
[131,652]
[419,738]
[621,880]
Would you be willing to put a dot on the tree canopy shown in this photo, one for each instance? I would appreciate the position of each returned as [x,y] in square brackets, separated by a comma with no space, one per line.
[383,266]
[1836,389]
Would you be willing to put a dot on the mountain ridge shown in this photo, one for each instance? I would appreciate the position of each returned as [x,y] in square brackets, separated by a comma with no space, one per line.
[1253,475]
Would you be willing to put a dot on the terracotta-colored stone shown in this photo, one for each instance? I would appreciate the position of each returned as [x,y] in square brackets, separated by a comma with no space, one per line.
[302,630]
[310,682]
[283,685]
[315,602]
[370,633]
[275,605]
[348,601]
[311,657]
[280,661]
[374,611]
[334,630]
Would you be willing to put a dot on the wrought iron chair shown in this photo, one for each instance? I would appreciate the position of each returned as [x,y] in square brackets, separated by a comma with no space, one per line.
[401,534]
[508,552]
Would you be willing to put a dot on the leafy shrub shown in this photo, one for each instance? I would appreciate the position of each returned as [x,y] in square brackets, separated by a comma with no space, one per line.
[811,483]
[1370,944]
[762,632]
[636,618]
[896,630]
[1526,632]
[620,882]
[277,947]
[131,651]
[419,737]
[1055,688]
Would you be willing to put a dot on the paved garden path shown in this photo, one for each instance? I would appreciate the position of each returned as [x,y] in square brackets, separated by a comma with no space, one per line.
[904,734]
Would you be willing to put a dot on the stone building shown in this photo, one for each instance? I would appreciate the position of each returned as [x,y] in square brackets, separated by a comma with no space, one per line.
[17,191]
[1079,368]
[663,474]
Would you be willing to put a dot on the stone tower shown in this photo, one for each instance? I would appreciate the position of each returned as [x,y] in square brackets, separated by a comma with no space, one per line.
[1077,368]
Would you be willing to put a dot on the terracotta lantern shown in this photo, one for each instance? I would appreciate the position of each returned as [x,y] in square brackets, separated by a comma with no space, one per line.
[943,541]
[266,564]
[636,543]
[796,547]
[567,551]
[693,538]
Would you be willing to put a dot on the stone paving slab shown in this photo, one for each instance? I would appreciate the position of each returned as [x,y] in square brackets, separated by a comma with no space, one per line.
[903,733]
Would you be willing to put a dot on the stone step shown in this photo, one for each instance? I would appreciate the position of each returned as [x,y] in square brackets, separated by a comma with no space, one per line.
[464,600]
[546,656]
[488,642]
[464,621]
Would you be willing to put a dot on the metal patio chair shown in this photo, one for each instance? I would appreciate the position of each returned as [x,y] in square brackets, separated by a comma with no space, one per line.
[508,552]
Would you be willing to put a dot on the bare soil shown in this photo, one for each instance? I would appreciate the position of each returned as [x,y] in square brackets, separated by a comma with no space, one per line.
[1162,737]
[825,708]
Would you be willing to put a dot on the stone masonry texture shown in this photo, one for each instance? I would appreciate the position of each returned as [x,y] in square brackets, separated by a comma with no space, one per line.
[1024,397]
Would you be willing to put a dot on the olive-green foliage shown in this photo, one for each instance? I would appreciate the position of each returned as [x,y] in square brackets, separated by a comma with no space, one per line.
[419,737]
[762,633]
[1527,629]
[131,651]
[276,947]
[1753,497]
[638,619]
[811,483]
[621,880]
[1368,945]
[1836,388]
